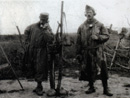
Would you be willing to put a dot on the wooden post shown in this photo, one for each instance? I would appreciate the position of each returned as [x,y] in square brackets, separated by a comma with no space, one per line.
[20,37]
[111,27]
[122,34]
[115,51]
[11,67]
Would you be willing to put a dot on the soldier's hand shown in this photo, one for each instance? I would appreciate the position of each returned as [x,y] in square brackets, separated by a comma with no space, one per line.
[94,37]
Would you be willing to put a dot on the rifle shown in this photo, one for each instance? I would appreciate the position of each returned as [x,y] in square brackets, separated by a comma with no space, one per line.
[58,48]
[52,51]
[60,36]
[122,35]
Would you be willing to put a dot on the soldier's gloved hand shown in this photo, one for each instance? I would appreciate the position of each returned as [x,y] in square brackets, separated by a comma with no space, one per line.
[94,37]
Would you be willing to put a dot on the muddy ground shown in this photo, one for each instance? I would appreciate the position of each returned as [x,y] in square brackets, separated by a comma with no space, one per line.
[119,86]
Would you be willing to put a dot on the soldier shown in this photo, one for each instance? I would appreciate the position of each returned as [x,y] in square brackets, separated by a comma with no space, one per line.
[91,36]
[37,37]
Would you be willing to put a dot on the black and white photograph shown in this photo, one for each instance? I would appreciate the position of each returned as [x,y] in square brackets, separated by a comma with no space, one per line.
[64,48]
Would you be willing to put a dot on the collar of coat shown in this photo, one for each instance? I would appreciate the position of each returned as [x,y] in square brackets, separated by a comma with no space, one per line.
[90,23]
[45,26]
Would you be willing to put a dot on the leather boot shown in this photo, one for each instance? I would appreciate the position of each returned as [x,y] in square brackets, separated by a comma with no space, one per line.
[106,90]
[39,89]
[2,91]
[91,89]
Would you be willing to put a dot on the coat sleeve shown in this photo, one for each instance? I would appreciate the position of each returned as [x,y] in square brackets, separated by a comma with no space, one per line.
[27,33]
[78,41]
[104,36]
[50,35]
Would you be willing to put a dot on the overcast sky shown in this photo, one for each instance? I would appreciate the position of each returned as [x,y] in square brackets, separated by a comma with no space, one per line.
[26,12]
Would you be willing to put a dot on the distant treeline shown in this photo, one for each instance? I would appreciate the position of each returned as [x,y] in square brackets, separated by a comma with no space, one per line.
[10,37]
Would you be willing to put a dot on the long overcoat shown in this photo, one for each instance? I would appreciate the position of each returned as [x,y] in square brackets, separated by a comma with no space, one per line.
[37,38]
[90,49]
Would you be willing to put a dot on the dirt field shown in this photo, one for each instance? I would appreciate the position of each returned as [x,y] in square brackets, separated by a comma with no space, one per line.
[120,87]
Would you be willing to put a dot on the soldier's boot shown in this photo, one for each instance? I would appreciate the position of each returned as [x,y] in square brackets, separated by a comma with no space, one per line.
[39,89]
[2,91]
[106,90]
[51,92]
[91,89]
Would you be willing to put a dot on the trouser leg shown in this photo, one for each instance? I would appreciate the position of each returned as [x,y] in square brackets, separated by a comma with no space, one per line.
[39,89]
[52,73]
[104,77]
[104,74]
[90,77]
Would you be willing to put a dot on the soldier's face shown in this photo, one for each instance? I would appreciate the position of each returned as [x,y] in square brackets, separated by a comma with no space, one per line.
[89,14]
[43,21]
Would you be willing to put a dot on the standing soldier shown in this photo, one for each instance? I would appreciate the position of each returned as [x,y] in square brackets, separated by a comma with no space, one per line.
[91,36]
[37,37]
